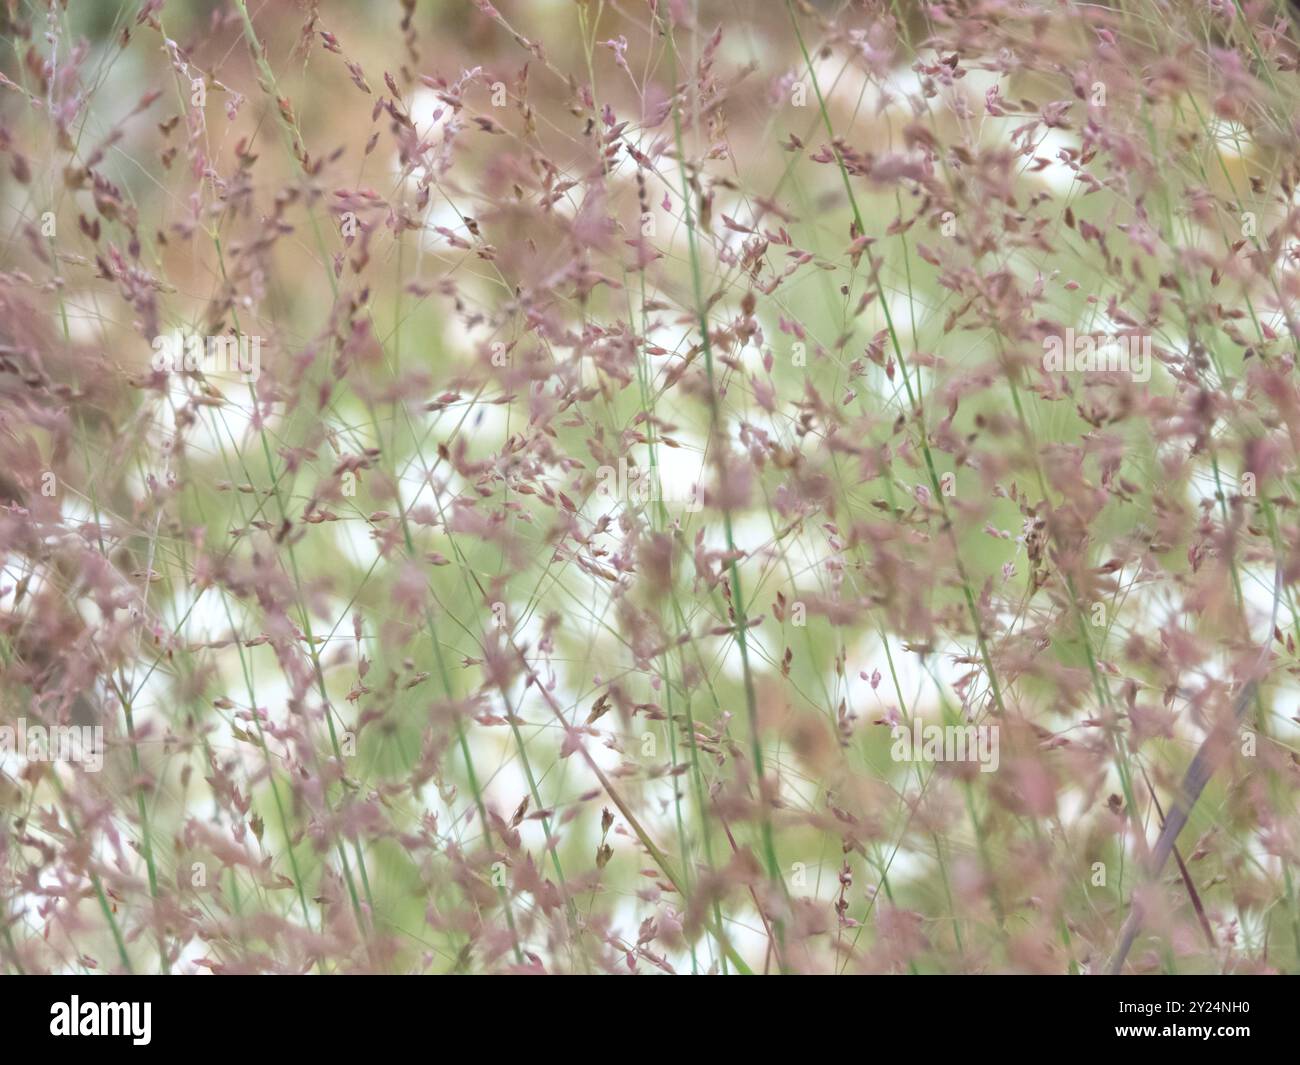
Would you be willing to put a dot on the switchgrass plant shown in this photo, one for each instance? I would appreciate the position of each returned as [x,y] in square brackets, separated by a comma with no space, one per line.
[656,486]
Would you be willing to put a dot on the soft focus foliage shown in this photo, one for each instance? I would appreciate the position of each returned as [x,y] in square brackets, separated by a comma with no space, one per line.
[648,411]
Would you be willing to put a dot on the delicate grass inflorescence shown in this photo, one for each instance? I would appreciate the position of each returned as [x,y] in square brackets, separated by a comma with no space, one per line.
[682,486]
